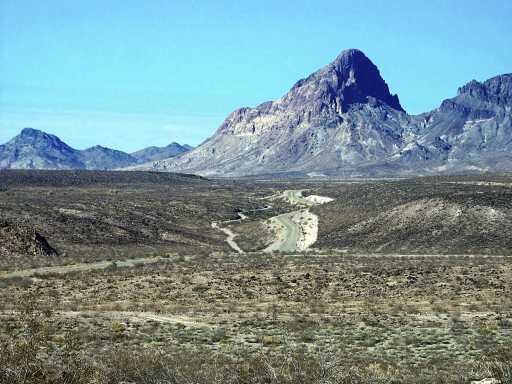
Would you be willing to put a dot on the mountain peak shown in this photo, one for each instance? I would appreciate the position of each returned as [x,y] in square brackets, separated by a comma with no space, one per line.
[350,54]
[350,79]
[33,136]
[360,79]
[31,132]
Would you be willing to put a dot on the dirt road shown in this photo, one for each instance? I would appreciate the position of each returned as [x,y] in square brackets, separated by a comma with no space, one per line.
[230,237]
[297,230]
[81,267]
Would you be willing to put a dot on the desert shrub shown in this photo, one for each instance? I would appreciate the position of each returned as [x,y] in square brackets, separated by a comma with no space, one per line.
[501,364]
[16,281]
[30,354]
[118,327]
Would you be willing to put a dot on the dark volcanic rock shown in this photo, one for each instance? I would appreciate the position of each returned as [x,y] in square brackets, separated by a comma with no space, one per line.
[351,78]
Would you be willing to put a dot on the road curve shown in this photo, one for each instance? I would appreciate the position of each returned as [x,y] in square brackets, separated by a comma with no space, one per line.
[297,230]
[287,233]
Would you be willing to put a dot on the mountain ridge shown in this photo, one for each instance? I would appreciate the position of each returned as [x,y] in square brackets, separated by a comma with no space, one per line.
[342,119]
[35,149]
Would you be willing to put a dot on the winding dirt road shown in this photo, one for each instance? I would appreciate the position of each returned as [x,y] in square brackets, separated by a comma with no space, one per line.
[230,239]
[297,230]
[294,231]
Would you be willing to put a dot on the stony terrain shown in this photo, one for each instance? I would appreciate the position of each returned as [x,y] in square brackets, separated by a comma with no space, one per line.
[17,240]
[89,215]
[409,281]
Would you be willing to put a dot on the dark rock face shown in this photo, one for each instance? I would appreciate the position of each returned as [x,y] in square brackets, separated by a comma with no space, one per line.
[497,90]
[34,149]
[351,78]
[342,119]
[16,239]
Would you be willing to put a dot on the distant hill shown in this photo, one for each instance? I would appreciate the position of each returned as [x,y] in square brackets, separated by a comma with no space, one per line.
[35,149]
[149,154]
[99,157]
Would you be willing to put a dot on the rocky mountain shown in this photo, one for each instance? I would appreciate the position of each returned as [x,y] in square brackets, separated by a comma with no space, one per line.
[34,149]
[472,131]
[342,120]
[158,153]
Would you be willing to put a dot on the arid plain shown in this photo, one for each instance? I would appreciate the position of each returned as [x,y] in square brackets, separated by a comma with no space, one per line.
[142,276]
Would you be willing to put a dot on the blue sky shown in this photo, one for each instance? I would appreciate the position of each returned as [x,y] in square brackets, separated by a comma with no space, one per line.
[132,73]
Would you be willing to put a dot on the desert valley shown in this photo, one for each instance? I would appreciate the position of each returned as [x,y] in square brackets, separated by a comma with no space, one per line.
[325,236]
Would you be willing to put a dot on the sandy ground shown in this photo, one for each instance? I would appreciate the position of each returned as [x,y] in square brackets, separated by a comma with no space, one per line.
[316,200]
[145,316]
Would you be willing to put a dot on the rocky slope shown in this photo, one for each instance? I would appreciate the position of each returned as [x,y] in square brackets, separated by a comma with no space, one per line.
[34,149]
[470,214]
[472,131]
[342,119]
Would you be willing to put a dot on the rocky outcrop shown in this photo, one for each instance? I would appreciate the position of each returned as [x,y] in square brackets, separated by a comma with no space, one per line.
[16,239]
[470,132]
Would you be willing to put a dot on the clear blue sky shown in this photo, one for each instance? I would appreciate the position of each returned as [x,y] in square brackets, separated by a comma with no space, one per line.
[132,73]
